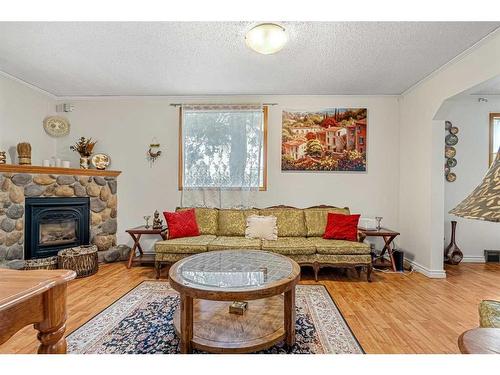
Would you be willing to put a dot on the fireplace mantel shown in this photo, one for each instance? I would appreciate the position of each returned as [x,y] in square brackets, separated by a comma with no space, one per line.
[11,168]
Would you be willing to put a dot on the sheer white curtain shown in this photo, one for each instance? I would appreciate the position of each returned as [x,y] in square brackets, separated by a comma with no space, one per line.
[222,155]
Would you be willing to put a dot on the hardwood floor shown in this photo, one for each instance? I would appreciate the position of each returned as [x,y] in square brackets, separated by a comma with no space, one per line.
[394,314]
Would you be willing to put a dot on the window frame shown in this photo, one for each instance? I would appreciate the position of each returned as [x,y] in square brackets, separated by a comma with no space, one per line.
[265,119]
[492,133]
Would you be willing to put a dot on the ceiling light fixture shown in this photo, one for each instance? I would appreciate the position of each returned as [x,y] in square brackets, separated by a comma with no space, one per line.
[266,38]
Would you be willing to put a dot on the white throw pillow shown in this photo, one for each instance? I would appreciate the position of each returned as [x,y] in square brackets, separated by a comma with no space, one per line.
[263,227]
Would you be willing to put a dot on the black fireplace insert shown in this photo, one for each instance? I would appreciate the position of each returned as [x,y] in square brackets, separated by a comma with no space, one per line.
[52,224]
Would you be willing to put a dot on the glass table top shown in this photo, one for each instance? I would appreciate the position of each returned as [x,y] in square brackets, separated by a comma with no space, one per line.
[233,269]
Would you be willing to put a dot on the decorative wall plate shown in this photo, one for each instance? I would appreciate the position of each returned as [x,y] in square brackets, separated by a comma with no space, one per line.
[451,162]
[451,140]
[451,177]
[447,125]
[454,130]
[101,161]
[56,126]
[450,152]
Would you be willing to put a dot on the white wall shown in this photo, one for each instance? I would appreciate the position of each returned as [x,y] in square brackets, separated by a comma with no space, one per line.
[22,110]
[125,127]
[421,208]
[472,119]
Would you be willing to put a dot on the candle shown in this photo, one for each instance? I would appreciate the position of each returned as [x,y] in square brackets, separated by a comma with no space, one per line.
[46,163]
[66,164]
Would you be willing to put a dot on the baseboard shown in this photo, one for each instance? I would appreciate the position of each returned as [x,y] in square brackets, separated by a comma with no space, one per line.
[433,274]
[473,259]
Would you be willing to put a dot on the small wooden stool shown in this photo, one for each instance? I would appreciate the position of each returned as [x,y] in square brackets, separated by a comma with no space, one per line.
[82,259]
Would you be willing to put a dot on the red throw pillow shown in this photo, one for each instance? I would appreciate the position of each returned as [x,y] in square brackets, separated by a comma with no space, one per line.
[342,227]
[181,224]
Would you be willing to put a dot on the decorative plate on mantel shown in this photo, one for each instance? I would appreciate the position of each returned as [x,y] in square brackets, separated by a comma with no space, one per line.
[56,126]
[101,161]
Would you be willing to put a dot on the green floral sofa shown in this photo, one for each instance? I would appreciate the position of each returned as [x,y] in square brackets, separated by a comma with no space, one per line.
[489,314]
[299,237]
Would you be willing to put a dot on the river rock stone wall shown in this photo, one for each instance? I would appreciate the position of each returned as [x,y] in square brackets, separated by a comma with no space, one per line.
[14,188]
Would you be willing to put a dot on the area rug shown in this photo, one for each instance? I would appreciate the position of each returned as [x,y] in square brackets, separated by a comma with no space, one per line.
[141,323]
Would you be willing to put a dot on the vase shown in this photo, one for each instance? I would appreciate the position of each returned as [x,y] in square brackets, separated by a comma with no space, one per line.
[453,254]
[84,162]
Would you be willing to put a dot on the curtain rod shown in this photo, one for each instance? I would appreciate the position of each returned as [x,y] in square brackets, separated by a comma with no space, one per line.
[179,104]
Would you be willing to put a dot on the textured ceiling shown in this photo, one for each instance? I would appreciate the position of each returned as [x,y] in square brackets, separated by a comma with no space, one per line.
[199,58]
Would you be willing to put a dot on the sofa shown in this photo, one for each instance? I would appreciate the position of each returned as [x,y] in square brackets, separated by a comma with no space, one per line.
[299,237]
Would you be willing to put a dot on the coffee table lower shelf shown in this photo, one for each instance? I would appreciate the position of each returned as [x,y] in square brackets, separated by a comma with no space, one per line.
[215,330]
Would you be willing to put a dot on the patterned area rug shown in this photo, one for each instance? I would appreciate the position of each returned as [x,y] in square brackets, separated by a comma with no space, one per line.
[141,322]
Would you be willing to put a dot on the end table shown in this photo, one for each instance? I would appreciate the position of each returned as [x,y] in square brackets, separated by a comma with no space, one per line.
[136,234]
[388,236]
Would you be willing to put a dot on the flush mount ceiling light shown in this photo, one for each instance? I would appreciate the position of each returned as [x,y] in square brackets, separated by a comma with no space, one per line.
[266,38]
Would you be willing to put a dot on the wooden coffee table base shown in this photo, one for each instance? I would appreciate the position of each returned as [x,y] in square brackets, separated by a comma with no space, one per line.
[215,330]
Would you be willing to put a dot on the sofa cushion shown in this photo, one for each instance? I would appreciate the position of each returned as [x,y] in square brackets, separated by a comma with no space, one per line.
[289,246]
[489,314]
[290,221]
[316,219]
[181,224]
[185,245]
[337,247]
[233,222]
[263,227]
[342,227]
[231,242]
[206,219]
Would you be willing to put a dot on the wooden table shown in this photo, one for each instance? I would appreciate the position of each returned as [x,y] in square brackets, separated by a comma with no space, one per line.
[136,234]
[388,236]
[480,341]
[35,297]
[209,282]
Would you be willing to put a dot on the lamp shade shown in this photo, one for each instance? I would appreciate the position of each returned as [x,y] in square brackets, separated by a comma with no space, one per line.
[484,202]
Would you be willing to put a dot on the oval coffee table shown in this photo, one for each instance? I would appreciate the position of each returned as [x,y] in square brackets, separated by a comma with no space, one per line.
[209,282]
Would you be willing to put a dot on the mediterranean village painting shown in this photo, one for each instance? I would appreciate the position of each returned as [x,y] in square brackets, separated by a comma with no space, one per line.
[333,139]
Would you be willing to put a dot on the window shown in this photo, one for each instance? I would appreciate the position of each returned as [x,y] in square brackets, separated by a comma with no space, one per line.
[223,146]
[494,135]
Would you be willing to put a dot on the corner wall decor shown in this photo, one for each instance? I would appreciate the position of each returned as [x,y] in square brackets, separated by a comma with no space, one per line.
[153,152]
[450,152]
[332,139]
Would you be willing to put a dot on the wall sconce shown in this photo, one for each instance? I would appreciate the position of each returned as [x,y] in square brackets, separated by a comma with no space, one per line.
[154,151]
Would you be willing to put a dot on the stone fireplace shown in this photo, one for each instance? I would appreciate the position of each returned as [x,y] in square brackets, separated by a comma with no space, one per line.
[20,186]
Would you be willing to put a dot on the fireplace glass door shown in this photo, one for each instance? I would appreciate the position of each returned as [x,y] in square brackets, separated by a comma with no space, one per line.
[53,224]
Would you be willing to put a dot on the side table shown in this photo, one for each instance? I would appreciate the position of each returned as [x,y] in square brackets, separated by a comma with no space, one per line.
[388,236]
[136,234]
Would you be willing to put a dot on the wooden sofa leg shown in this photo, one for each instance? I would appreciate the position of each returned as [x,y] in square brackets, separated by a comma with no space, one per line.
[316,270]
[369,273]
[358,270]
[157,269]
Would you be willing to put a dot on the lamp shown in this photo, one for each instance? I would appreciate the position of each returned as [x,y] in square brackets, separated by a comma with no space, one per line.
[266,38]
[484,201]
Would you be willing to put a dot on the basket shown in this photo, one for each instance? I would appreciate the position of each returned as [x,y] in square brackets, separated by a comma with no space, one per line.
[81,259]
[49,263]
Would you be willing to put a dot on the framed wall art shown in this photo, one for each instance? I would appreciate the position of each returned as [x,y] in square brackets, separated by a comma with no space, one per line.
[332,139]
